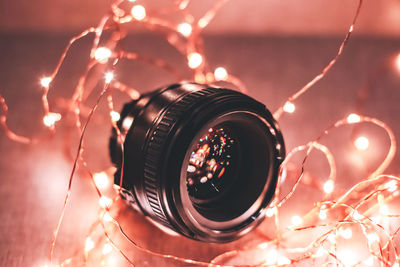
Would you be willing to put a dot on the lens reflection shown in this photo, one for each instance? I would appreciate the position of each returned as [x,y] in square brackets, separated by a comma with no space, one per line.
[210,169]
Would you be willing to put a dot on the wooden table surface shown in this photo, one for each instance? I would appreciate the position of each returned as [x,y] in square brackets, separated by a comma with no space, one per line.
[34,178]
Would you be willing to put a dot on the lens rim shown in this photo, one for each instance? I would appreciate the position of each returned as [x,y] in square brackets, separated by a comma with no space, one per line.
[198,219]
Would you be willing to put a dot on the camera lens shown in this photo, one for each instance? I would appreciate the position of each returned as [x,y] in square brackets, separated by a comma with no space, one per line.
[202,161]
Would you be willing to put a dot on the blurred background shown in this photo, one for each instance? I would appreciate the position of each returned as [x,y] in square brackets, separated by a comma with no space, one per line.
[275,47]
[315,17]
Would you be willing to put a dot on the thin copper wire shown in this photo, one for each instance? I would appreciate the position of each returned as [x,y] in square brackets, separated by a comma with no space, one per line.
[194,43]
[292,98]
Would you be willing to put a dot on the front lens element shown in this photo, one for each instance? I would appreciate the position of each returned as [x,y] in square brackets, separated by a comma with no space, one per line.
[211,165]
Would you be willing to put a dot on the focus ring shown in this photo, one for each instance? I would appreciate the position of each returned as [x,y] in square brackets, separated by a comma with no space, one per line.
[156,142]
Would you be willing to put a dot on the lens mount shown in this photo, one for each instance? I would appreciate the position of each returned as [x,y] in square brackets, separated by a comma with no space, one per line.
[202,161]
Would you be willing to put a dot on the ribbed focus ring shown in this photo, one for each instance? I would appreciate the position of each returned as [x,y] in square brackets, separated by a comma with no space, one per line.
[156,142]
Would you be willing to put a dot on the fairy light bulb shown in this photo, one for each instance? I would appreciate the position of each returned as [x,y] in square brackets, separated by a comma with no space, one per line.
[115,116]
[289,107]
[346,233]
[384,209]
[397,62]
[101,180]
[283,260]
[102,54]
[320,252]
[220,74]
[391,186]
[107,217]
[264,245]
[202,23]
[329,186]
[361,143]
[185,29]
[332,238]
[272,256]
[105,202]
[51,118]
[107,248]
[296,220]
[89,244]
[322,214]
[109,77]
[194,60]
[45,81]
[270,212]
[369,261]
[372,238]
[357,216]
[376,219]
[138,12]
[353,118]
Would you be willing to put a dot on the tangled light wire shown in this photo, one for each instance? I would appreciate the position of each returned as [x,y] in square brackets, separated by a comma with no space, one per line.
[331,220]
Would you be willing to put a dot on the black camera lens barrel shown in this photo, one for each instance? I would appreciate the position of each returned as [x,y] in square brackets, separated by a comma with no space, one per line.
[202,161]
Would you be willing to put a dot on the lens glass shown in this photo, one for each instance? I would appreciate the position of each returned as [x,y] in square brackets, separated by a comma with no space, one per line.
[211,167]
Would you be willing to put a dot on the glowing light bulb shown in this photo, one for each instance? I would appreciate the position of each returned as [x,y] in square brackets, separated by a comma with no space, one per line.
[353,118]
[102,54]
[329,186]
[346,233]
[45,81]
[109,77]
[397,62]
[348,257]
[138,12]
[391,186]
[107,217]
[194,60]
[357,216]
[264,245]
[369,261]
[332,238]
[271,257]
[322,214]
[107,248]
[320,252]
[51,118]
[296,220]
[361,143]
[289,107]
[384,209]
[376,219]
[105,202]
[185,29]
[282,260]
[202,23]
[270,212]
[372,238]
[220,74]
[101,180]
[89,244]
[115,116]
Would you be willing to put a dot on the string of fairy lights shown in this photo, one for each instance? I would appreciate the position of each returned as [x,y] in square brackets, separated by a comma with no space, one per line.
[363,210]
